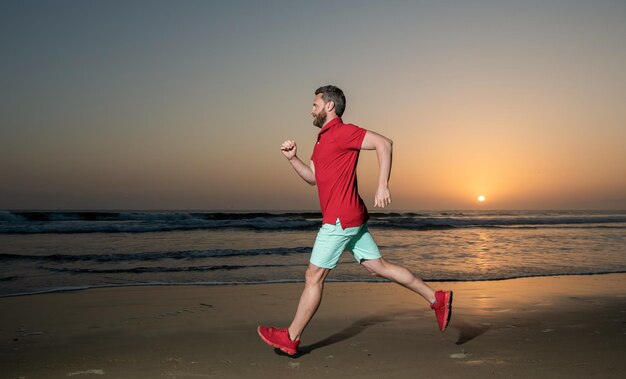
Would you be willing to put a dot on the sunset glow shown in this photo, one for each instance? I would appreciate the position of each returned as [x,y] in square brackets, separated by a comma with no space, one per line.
[106,106]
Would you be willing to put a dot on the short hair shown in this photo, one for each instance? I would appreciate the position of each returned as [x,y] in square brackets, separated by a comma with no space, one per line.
[334,94]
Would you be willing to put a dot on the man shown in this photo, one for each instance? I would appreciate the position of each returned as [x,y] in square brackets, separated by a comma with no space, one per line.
[344,224]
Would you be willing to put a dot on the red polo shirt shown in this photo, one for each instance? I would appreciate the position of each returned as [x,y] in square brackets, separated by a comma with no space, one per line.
[335,156]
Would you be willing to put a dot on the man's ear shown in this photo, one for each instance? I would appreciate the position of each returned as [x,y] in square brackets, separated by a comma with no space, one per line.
[329,106]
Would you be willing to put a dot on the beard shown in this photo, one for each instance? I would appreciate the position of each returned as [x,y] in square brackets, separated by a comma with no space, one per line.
[320,119]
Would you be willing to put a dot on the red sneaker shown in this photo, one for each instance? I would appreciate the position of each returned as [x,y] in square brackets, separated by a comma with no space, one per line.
[278,338]
[443,308]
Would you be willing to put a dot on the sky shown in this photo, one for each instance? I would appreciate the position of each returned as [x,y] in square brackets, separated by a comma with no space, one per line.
[149,105]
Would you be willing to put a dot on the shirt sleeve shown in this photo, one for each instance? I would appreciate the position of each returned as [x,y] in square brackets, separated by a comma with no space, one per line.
[351,136]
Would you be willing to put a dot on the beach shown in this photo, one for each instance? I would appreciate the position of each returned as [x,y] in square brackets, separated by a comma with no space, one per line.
[557,327]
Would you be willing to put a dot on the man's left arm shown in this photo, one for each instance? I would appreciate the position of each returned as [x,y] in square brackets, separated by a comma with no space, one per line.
[384,150]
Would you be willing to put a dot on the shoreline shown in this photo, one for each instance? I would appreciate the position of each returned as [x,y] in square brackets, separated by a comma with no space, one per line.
[296,281]
[563,326]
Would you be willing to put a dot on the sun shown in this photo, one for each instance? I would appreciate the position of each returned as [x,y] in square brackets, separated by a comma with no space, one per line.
[481,198]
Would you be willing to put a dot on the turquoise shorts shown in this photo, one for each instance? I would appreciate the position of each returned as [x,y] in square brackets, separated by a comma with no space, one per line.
[332,241]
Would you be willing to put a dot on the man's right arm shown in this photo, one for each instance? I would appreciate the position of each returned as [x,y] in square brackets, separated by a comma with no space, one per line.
[289,150]
[306,172]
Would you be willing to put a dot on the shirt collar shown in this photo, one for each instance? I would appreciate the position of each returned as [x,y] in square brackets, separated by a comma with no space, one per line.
[331,123]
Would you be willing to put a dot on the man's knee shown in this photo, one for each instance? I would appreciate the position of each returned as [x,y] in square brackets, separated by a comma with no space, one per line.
[374,266]
[315,275]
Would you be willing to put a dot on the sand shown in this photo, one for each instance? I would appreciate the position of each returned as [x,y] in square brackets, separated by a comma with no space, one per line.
[553,327]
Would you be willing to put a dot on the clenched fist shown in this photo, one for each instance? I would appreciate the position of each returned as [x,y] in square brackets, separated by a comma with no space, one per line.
[289,149]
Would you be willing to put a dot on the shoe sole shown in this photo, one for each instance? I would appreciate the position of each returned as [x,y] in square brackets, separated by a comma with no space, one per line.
[272,344]
[448,312]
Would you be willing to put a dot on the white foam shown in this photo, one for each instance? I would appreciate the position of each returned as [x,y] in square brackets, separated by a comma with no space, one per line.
[97,371]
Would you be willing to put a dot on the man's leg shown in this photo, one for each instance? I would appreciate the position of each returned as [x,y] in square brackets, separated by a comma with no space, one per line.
[329,244]
[309,300]
[400,275]
[366,252]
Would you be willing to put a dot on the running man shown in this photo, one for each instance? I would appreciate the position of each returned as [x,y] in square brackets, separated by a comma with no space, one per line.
[344,215]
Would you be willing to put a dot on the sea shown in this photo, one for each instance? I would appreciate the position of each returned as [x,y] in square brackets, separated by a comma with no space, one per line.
[49,251]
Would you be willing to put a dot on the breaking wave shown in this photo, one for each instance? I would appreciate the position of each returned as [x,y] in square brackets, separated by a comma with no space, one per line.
[22,222]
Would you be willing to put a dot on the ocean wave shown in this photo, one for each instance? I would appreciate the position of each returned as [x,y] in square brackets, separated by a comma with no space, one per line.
[141,270]
[144,222]
[466,222]
[154,256]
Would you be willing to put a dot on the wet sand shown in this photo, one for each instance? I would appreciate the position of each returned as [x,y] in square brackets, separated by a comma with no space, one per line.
[557,327]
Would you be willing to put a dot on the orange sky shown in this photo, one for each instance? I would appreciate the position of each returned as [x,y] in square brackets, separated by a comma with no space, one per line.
[113,106]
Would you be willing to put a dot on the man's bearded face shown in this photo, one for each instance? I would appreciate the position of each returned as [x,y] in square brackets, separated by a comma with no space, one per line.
[320,118]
